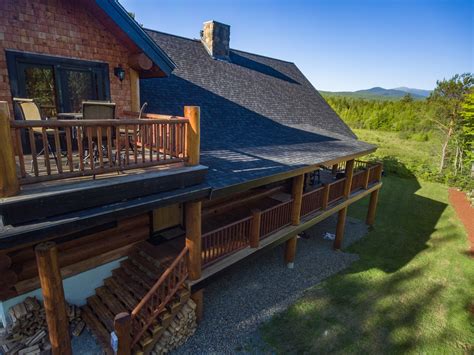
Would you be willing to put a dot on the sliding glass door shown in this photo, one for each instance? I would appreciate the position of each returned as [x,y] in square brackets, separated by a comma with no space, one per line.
[57,84]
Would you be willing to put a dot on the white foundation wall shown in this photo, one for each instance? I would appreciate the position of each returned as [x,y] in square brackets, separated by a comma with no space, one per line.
[76,288]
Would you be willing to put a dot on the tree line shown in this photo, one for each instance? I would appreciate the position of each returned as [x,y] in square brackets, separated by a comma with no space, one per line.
[448,113]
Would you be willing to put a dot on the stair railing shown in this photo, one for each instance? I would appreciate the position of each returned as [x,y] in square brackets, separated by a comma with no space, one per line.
[156,299]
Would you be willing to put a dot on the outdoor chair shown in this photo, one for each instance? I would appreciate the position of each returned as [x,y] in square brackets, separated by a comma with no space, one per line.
[97,110]
[30,112]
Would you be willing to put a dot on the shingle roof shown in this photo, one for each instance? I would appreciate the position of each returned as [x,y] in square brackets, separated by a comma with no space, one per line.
[259,116]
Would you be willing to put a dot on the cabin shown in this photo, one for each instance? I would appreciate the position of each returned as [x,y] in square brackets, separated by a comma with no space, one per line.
[138,166]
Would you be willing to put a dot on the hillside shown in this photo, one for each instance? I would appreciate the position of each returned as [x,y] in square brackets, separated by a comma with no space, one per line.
[379,93]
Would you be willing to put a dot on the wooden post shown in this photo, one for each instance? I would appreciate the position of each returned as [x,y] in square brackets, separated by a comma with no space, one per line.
[334,169]
[297,195]
[192,113]
[53,295]
[379,172]
[366,178]
[198,298]
[255,228]
[374,196]
[349,175]
[325,196]
[290,251]
[123,329]
[9,185]
[341,223]
[193,238]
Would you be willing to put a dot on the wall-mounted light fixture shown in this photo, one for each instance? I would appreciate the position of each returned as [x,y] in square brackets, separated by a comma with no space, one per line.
[119,72]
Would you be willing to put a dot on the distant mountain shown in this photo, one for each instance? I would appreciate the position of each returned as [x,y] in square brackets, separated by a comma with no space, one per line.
[420,92]
[379,93]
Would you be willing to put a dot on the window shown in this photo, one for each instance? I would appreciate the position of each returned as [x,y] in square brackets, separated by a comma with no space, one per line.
[57,84]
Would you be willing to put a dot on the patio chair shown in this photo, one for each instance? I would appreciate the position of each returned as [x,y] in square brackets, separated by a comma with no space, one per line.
[95,110]
[30,112]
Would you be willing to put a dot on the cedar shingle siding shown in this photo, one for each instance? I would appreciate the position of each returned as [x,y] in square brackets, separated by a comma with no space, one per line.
[61,28]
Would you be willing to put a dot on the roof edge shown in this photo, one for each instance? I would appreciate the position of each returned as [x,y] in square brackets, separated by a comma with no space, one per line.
[136,33]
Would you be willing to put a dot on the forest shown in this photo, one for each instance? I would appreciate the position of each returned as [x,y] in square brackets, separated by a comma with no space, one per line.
[444,121]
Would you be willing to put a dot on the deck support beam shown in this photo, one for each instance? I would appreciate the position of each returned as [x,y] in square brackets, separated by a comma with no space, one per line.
[255,228]
[374,196]
[53,295]
[193,238]
[9,185]
[297,196]
[193,140]
[341,224]
[123,329]
[290,251]
[198,298]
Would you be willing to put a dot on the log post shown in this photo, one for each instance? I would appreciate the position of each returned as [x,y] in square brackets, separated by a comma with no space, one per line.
[192,113]
[325,196]
[349,174]
[53,296]
[379,172]
[255,228]
[198,298]
[341,223]
[297,196]
[374,196]
[9,185]
[193,238]
[334,169]
[123,329]
[290,252]
[140,61]
[366,177]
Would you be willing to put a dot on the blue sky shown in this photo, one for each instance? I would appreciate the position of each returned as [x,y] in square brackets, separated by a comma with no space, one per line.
[339,44]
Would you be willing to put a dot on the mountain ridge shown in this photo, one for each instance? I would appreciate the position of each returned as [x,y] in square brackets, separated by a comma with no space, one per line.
[381,93]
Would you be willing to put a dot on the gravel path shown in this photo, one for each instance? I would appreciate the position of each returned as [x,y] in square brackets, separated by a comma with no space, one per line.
[242,299]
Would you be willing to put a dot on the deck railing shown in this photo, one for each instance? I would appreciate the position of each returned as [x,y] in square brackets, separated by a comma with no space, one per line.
[225,240]
[336,190]
[69,148]
[145,313]
[312,201]
[358,180]
[275,218]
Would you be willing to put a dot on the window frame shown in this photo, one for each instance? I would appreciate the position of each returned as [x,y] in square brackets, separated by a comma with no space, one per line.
[15,59]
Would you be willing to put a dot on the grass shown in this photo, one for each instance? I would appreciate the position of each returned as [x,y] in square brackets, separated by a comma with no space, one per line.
[404,157]
[409,292]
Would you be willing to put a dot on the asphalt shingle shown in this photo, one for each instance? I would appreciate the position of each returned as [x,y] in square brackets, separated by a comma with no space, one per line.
[259,116]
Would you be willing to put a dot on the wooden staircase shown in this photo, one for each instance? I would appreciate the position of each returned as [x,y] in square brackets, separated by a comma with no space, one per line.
[129,285]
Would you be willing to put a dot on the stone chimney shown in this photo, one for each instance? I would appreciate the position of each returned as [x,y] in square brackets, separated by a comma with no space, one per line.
[216,36]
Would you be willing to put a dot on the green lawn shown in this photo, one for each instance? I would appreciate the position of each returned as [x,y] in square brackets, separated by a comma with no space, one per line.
[409,292]
[404,157]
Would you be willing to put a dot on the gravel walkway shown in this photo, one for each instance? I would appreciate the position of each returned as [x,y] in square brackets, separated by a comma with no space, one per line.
[242,299]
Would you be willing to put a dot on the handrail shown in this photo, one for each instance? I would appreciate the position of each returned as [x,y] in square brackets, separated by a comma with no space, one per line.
[78,147]
[152,293]
[92,122]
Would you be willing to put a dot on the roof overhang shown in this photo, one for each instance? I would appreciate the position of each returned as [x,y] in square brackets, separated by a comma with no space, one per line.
[163,65]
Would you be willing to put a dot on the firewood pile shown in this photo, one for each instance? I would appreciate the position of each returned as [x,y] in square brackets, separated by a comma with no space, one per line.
[180,329]
[28,332]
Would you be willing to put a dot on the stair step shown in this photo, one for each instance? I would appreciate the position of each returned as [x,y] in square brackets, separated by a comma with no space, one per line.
[102,312]
[130,284]
[120,292]
[137,274]
[109,300]
[96,326]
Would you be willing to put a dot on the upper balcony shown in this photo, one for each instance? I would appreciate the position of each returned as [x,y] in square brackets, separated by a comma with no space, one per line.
[45,163]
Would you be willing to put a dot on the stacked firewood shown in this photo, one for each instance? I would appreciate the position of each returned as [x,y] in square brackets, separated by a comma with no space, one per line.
[180,329]
[28,332]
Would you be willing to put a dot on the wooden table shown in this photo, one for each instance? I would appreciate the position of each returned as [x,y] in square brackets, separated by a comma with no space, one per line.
[70,116]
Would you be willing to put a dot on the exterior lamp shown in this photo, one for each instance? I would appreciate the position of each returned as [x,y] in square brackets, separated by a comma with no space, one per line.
[119,72]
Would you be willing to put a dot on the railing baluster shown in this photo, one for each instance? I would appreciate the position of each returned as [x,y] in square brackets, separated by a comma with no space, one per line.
[127,146]
[59,159]
[90,145]
[80,147]
[118,148]
[109,146]
[70,161]
[135,142]
[19,150]
[34,159]
[46,150]
[99,146]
